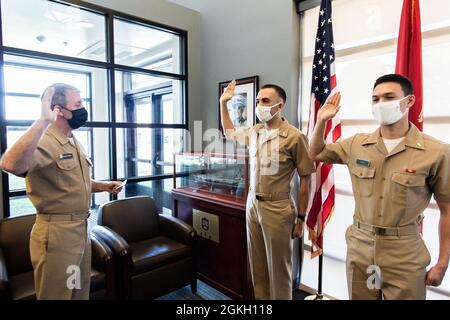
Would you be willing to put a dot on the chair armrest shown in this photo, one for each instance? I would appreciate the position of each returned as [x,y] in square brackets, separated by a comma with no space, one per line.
[112,239]
[4,283]
[103,261]
[176,229]
[102,255]
[123,264]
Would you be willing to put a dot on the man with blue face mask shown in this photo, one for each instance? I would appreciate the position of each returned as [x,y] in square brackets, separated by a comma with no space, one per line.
[58,180]
[276,151]
[394,172]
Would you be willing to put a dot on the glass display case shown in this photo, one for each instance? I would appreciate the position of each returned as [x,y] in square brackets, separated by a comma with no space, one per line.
[210,193]
[218,175]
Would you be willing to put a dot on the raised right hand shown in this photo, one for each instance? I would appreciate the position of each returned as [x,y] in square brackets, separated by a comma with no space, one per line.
[330,108]
[47,114]
[228,92]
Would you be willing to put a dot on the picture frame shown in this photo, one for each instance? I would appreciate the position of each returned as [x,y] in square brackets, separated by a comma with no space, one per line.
[242,106]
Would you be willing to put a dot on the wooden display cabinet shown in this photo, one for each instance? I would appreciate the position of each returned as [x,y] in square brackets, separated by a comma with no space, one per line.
[211,195]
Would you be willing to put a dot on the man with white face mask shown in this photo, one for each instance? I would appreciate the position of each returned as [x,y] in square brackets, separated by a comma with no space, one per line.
[276,150]
[394,173]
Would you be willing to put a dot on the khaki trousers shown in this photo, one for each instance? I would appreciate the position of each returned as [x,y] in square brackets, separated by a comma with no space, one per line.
[270,247]
[61,258]
[399,261]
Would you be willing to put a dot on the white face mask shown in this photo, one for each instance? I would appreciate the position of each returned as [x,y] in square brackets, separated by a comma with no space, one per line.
[263,113]
[386,113]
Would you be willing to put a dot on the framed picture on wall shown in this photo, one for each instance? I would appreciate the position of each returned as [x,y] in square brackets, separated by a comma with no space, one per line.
[242,106]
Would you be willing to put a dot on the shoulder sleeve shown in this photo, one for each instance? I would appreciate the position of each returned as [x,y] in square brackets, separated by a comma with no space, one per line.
[305,166]
[42,157]
[338,152]
[439,179]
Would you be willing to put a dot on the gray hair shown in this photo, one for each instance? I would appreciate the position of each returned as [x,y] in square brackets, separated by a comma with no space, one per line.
[59,96]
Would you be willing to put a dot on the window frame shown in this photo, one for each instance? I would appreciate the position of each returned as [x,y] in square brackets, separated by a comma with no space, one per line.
[111,67]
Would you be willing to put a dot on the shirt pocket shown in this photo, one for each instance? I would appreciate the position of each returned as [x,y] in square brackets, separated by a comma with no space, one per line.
[67,172]
[66,164]
[363,178]
[406,186]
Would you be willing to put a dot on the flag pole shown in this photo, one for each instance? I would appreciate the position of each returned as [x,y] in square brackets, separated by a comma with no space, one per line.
[323,83]
[319,285]
[319,295]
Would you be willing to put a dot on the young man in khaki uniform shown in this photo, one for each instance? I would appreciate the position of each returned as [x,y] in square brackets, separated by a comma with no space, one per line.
[276,150]
[58,183]
[394,172]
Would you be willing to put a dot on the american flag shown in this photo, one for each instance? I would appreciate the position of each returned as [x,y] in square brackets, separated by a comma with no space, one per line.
[321,202]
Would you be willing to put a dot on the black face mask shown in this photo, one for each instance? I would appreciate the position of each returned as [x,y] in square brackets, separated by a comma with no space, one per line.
[79,118]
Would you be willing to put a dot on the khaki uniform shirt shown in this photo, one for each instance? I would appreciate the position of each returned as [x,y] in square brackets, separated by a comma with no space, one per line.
[392,190]
[58,180]
[275,157]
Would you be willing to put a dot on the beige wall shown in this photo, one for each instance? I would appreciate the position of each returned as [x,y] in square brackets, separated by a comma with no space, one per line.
[246,38]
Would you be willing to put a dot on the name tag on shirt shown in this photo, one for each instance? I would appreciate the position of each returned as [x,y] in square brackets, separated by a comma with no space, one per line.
[65,156]
[364,163]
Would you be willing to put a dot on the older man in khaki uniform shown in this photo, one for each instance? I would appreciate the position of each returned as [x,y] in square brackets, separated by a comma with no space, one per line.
[58,182]
[394,171]
[276,150]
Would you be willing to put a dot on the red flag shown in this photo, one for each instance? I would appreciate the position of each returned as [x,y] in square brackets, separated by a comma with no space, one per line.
[321,202]
[409,55]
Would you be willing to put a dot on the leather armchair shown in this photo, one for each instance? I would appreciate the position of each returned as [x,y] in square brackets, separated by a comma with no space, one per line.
[155,253]
[103,277]
[16,271]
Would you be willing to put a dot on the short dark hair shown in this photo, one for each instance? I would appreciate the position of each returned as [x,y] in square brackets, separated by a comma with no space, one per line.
[280,91]
[59,96]
[404,82]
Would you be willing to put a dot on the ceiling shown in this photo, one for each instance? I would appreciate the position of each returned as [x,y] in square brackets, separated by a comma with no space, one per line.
[51,27]
[190,4]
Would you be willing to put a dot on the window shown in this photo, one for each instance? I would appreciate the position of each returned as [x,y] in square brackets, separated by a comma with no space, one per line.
[147,152]
[144,47]
[148,99]
[23,91]
[135,99]
[362,55]
[51,27]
